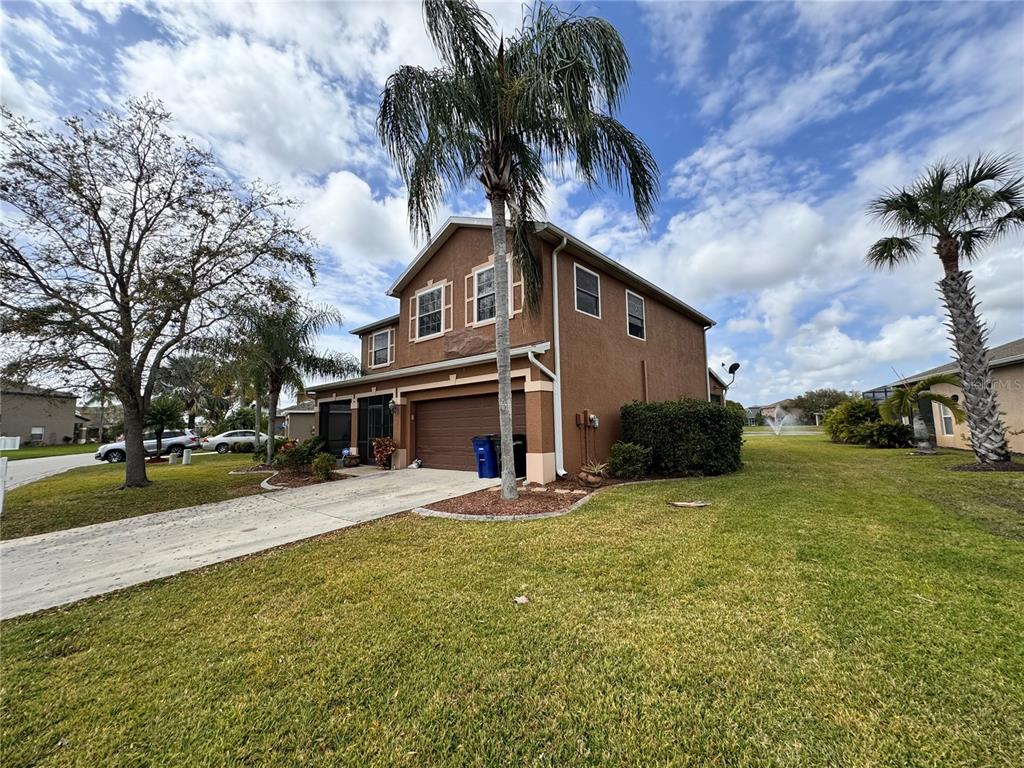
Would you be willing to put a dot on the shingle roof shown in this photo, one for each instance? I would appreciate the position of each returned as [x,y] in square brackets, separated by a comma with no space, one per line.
[1005,354]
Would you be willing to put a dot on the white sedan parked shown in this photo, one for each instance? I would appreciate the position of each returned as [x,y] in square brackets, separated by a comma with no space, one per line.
[222,443]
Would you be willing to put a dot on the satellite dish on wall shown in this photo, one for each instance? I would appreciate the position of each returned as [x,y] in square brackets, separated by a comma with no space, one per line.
[734,367]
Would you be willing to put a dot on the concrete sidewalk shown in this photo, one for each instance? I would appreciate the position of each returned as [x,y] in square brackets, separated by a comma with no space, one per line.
[38,572]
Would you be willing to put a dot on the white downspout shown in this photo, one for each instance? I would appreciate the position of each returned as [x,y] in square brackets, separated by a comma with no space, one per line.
[556,375]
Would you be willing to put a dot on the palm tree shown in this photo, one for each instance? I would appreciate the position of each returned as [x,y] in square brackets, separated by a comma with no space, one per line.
[279,350]
[99,394]
[164,413]
[193,379]
[499,111]
[962,207]
[907,400]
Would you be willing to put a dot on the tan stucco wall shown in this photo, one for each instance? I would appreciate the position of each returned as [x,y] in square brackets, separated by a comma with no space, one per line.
[603,367]
[1009,387]
[19,413]
[299,426]
[466,249]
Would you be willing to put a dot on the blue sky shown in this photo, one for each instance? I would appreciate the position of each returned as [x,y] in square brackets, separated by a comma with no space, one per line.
[773,124]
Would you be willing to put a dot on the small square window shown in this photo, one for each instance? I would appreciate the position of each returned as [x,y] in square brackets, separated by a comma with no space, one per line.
[429,309]
[380,348]
[636,320]
[588,292]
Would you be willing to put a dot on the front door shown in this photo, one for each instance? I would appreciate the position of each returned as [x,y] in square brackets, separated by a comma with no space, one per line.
[374,421]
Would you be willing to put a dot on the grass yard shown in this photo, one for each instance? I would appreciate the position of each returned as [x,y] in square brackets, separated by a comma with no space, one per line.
[834,606]
[41,451]
[91,495]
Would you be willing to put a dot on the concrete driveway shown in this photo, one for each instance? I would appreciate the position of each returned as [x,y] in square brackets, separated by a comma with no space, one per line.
[52,569]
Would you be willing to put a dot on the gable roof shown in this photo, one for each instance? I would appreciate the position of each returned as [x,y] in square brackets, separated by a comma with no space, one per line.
[20,388]
[552,234]
[384,322]
[716,377]
[1005,354]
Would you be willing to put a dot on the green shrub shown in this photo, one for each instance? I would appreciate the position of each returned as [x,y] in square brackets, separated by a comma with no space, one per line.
[323,465]
[245,446]
[630,460]
[886,434]
[846,422]
[293,454]
[685,437]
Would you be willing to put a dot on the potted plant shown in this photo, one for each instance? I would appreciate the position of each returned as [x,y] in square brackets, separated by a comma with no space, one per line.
[593,473]
[383,447]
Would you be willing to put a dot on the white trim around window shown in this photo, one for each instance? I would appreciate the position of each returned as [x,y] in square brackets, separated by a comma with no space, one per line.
[476,295]
[439,311]
[577,268]
[946,417]
[642,317]
[375,348]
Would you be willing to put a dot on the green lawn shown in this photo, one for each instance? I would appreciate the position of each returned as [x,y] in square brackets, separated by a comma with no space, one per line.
[834,606]
[48,450]
[91,494]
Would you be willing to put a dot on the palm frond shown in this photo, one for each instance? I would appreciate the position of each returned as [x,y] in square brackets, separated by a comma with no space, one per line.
[954,407]
[938,378]
[890,252]
[462,34]
[898,404]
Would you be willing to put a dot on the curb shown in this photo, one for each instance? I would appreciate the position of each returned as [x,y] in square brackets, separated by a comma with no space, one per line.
[265,484]
[427,512]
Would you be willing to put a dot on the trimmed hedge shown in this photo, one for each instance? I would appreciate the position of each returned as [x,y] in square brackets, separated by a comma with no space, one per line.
[886,434]
[845,423]
[685,437]
[629,460]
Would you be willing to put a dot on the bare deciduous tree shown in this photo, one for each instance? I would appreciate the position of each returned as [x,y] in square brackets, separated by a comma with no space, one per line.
[124,244]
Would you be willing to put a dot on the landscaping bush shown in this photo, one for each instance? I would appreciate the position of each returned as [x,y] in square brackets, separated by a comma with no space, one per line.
[846,422]
[629,460]
[685,437]
[323,465]
[245,446]
[294,454]
[886,434]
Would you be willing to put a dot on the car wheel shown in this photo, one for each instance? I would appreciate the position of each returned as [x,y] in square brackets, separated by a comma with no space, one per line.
[114,457]
[177,450]
[223,448]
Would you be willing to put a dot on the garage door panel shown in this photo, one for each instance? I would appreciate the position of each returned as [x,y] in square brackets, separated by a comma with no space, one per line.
[445,428]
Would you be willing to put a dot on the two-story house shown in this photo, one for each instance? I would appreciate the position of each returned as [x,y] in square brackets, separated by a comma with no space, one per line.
[601,337]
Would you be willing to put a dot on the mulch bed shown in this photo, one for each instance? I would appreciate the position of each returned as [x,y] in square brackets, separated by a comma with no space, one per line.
[533,499]
[290,478]
[999,466]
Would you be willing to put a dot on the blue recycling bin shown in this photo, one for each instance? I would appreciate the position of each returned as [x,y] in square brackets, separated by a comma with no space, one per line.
[486,458]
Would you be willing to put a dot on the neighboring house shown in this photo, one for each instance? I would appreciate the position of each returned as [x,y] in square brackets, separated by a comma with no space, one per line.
[39,416]
[296,422]
[602,336]
[716,387]
[1007,364]
[89,429]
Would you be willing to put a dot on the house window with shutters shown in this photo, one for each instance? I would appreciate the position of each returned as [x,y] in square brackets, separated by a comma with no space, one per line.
[430,313]
[380,349]
[947,420]
[484,293]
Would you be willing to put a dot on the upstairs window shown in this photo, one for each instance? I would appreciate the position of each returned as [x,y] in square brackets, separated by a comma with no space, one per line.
[636,320]
[484,294]
[380,349]
[429,308]
[588,292]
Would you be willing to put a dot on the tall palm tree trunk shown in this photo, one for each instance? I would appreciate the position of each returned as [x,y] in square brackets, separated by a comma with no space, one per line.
[271,416]
[502,348]
[988,435]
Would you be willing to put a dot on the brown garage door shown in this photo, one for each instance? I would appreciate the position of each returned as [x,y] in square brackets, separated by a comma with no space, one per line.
[445,428]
